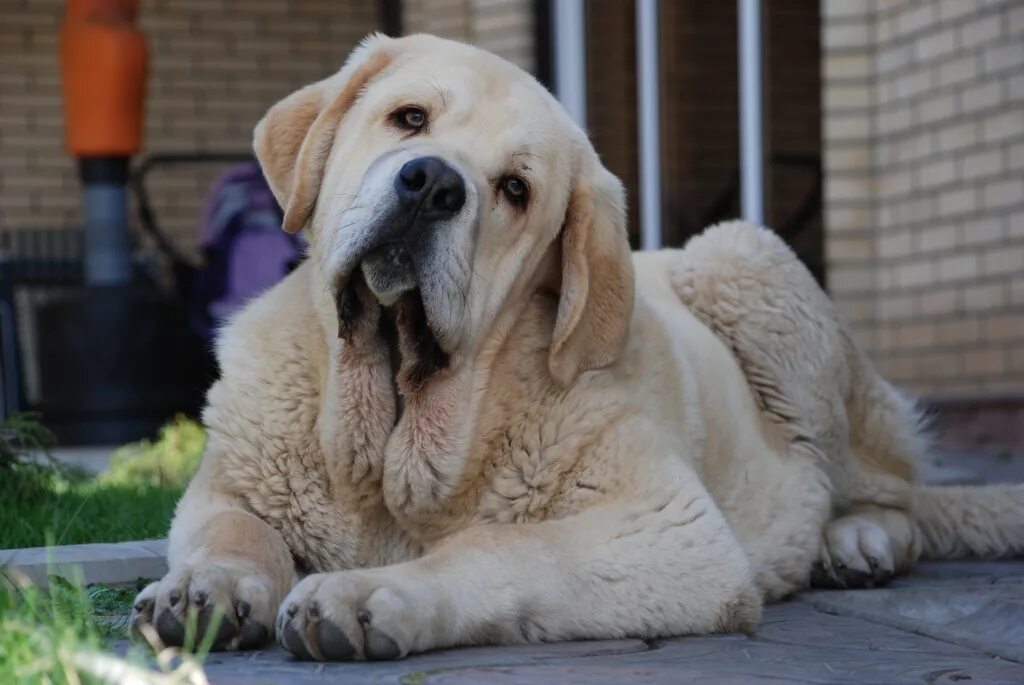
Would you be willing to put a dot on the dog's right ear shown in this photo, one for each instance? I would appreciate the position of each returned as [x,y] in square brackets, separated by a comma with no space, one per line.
[294,139]
[595,306]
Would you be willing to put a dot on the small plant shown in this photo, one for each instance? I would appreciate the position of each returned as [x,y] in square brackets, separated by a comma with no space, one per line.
[20,433]
[25,481]
[112,605]
[57,635]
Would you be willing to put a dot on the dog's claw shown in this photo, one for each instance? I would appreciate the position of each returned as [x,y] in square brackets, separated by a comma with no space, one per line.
[292,641]
[333,642]
[380,647]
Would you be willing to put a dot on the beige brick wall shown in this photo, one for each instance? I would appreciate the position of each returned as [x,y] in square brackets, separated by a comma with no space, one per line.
[504,27]
[924,163]
[216,65]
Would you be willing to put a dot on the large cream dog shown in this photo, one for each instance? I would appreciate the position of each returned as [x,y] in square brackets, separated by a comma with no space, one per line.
[473,416]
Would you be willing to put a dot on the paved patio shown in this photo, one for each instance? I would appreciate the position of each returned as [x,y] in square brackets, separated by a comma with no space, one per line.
[948,623]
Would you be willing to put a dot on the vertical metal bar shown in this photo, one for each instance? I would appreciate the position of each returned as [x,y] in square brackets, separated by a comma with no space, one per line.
[108,250]
[570,58]
[751,114]
[543,35]
[649,121]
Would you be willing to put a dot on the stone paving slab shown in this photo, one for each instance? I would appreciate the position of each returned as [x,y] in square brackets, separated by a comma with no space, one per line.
[944,468]
[941,625]
[89,460]
[988,618]
[119,562]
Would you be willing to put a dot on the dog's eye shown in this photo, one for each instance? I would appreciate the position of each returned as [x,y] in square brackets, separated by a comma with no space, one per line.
[410,118]
[515,189]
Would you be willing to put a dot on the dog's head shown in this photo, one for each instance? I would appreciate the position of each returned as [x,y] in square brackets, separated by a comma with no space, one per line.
[439,181]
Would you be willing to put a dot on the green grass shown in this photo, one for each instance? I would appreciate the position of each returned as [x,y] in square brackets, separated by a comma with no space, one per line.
[114,600]
[59,636]
[133,500]
[40,632]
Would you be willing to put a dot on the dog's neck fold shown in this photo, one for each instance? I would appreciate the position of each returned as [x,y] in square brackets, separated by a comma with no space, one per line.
[402,435]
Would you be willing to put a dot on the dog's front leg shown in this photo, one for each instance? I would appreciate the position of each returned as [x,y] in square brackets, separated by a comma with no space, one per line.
[666,565]
[223,560]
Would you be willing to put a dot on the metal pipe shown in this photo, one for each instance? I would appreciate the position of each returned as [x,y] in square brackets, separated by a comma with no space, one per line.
[751,114]
[649,120]
[570,58]
[108,255]
[107,249]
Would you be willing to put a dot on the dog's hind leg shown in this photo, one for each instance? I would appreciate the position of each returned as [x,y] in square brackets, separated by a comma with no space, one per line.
[874,537]
[814,384]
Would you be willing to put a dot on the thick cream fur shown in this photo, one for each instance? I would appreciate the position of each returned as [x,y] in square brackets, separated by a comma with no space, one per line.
[658,459]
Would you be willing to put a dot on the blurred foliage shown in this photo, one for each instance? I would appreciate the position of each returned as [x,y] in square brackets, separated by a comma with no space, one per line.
[57,635]
[133,500]
[168,462]
[40,631]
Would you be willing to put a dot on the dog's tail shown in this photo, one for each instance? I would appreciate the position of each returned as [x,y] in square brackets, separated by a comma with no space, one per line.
[969,521]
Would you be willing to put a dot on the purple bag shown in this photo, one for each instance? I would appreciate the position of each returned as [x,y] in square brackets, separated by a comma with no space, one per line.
[245,250]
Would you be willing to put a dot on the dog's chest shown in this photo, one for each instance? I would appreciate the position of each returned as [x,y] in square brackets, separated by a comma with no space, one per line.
[537,469]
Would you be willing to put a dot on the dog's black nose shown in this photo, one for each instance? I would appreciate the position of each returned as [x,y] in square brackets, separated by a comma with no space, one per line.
[432,185]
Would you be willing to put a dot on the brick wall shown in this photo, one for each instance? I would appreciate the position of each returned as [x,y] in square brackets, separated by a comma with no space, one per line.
[215,67]
[924,162]
[504,27]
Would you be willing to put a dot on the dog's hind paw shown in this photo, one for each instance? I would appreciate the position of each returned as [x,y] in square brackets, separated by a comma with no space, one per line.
[865,549]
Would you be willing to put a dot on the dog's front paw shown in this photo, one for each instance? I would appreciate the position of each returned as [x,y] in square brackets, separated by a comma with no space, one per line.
[346,615]
[227,596]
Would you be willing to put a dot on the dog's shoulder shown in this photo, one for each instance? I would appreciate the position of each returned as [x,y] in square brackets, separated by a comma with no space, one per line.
[271,357]
[279,326]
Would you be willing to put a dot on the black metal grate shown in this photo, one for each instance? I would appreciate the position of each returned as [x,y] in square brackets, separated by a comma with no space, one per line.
[33,263]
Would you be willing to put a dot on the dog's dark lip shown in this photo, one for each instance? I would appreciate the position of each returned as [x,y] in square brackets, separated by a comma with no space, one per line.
[404,327]
[416,354]
[350,288]
[413,325]
[348,305]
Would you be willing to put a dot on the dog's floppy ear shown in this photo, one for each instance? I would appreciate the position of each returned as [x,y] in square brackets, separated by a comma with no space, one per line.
[293,139]
[596,299]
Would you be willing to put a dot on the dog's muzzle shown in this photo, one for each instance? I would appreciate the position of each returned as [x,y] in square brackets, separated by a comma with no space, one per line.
[428,191]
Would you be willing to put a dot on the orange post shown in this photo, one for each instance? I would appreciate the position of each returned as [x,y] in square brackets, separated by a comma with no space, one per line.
[103,72]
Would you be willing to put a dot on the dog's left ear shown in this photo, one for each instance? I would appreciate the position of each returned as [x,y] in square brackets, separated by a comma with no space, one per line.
[294,139]
[596,298]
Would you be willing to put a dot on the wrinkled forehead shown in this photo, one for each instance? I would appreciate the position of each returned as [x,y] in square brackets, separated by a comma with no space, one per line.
[489,110]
